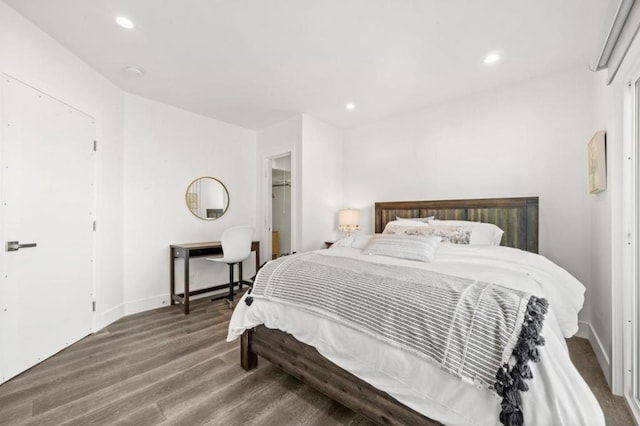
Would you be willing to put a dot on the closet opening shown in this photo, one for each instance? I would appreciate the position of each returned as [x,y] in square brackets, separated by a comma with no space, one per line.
[281,206]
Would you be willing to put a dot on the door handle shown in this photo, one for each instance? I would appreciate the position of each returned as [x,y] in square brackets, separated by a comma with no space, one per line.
[15,245]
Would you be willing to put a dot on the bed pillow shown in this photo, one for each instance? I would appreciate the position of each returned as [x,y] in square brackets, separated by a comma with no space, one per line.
[360,241]
[417,219]
[408,247]
[481,233]
[357,241]
[447,233]
[402,223]
[342,242]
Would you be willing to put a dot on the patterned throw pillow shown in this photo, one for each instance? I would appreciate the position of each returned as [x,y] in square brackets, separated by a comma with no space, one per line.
[403,246]
[482,233]
[447,234]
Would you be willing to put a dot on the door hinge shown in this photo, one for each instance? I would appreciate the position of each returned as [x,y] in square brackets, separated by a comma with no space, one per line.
[94,225]
[93,306]
[95,145]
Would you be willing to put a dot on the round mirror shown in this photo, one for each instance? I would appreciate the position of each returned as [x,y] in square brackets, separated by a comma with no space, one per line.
[207,198]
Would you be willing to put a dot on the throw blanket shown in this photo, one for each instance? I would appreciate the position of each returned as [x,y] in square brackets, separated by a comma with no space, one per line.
[480,332]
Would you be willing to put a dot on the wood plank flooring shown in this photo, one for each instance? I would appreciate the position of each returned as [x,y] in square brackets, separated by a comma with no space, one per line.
[163,367]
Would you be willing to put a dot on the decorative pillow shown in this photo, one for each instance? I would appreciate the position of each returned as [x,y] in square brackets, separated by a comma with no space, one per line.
[447,234]
[452,234]
[417,219]
[481,233]
[407,247]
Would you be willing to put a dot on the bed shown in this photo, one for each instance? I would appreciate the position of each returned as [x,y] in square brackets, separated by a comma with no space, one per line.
[390,386]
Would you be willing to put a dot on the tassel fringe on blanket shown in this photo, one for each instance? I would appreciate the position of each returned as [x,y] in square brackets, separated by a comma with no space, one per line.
[511,378]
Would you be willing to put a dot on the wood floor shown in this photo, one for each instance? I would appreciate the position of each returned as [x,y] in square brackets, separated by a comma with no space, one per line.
[163,367]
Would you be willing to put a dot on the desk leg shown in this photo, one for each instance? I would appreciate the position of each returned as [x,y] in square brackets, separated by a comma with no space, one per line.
[172,275]
[186,282]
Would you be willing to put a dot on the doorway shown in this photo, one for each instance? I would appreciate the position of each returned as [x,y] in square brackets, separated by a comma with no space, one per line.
[281,242]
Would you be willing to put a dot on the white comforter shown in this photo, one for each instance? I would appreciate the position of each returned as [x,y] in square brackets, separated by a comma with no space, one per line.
[558,395]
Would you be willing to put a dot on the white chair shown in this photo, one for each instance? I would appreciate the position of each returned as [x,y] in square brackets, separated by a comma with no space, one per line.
[236,247]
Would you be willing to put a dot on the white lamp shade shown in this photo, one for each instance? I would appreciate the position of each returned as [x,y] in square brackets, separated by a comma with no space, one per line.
[349,219]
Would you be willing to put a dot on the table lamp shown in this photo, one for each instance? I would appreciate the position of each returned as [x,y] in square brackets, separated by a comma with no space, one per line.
[349,220]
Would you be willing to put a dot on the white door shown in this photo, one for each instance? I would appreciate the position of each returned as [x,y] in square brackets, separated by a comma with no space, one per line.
[47,193]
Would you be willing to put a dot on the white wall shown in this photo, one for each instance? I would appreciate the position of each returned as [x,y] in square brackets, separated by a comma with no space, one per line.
[322,182]
[601,231]
[29,55]
[140,199]
[525,140]
[316,174]
[165,150]
[614,254]
[272,141]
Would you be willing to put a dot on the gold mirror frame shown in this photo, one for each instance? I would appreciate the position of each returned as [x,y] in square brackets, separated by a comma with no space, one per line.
[197,200]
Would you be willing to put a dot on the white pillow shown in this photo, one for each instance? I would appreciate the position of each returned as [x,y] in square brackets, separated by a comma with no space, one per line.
[418,219]
[407,247]
[342,242]
[481,233]
[403,222]
[360,241]
[357,241]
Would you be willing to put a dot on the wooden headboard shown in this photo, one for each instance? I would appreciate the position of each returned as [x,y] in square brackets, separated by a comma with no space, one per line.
[517,217]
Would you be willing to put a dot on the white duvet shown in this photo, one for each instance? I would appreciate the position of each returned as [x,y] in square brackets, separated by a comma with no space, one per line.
[558,395]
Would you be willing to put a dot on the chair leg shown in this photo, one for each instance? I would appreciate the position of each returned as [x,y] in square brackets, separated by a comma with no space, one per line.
[240,276]
[231,265]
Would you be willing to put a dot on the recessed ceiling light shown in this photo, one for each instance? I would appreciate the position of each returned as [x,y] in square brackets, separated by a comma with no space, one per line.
[351,106]
[133,71]
[124,22]
[492,58]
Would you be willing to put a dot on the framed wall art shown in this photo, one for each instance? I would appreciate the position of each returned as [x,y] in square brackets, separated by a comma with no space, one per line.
[598,162]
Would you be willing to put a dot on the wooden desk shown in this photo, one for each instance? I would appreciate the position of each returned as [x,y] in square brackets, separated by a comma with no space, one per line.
[186,252]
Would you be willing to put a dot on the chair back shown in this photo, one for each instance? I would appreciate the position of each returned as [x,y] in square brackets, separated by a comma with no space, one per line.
[236,243]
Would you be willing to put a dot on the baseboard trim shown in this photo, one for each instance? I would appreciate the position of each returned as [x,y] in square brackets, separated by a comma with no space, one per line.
[586,331]
[109,316]
[149,303]
[633,407]
[141,305]
[583,330]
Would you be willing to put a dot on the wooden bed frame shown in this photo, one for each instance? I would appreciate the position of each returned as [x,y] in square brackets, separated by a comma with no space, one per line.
[518,217]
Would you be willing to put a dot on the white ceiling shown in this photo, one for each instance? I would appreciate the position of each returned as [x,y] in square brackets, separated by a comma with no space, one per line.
[256,62]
